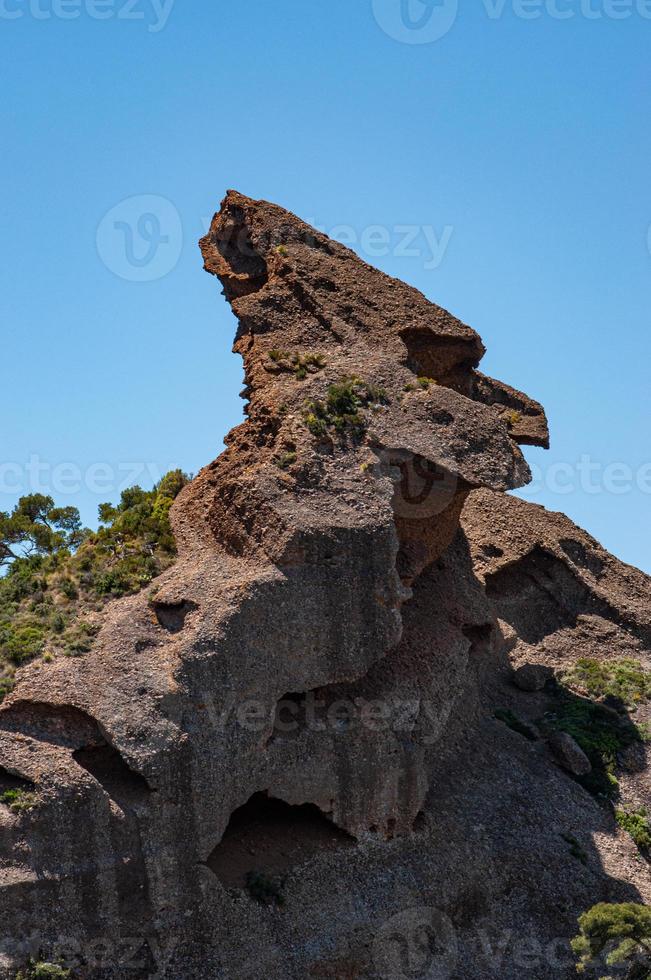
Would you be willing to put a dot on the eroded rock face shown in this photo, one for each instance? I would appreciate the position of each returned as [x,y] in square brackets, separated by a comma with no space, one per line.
[307,696]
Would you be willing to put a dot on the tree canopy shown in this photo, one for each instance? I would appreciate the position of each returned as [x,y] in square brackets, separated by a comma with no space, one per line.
[37,527]
[617,936]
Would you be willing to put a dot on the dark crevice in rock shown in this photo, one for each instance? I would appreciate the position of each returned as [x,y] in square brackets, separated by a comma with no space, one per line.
[9,780]
[420,822]
[479,636]
[107,766]
[333,707]
[172,615]
[268,836]
[491,551]
[290,716]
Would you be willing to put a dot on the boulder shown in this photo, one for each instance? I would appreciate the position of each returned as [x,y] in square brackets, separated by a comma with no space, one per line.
[570,754]
[532,677]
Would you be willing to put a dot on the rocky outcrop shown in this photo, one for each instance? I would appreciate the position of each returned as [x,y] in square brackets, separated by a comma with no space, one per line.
[554,585]
[304,704]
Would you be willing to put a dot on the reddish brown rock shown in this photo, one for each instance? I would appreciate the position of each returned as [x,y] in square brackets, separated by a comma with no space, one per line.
[306,700]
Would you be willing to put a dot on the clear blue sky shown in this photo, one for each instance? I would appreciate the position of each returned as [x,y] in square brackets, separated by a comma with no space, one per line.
[520,147]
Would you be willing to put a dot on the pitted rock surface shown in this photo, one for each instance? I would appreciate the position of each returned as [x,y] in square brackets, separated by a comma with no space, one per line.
[307,696]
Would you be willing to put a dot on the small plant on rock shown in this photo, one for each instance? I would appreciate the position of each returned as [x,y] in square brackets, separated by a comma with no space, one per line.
[18,799]
[286,460]
[342,407]
[300,365]
[513,417]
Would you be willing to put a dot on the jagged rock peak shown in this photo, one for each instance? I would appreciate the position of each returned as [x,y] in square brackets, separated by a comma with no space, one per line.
[289,282]
[312,315]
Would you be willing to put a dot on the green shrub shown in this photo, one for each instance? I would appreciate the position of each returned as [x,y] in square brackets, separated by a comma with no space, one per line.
[342,407]
[624,679]
[18,799]
[68,588]
[286,460]
[21,642]
[612,935]
[599,730]
[79,638]
[636,823]
[300,365]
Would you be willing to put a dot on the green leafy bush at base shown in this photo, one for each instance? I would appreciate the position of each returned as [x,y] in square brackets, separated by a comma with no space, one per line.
[636,823]
[617,936]
[59,576]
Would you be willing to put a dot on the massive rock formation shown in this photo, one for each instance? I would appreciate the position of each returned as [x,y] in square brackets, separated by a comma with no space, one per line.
[309,693]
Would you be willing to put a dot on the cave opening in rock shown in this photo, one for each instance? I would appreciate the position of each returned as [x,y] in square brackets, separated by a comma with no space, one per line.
[107,766]
[172,615]
[269,836]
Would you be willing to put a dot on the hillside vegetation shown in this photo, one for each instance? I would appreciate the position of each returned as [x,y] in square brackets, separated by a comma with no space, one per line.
[59,575]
